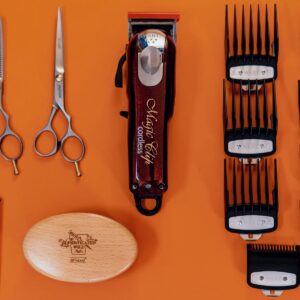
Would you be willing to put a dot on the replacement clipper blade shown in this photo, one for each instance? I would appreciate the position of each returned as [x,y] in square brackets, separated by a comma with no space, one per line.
[247,61]
[273,268]
[249,129]
[251,205]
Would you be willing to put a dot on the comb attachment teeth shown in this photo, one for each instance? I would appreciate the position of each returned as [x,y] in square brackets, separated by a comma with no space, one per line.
[252,58]
[273,268]
[251,197]
[250,121]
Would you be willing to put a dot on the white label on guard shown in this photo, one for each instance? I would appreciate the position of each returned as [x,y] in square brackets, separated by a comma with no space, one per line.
[273,278]
[250,146]
[251,222]
[249,72]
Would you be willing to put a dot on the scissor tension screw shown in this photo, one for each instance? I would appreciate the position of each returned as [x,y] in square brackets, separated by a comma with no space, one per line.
[59,77]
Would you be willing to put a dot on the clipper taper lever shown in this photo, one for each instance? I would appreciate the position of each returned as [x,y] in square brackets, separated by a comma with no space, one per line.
[150,78]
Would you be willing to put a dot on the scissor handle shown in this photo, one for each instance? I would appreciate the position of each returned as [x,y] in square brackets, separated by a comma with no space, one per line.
[72,135]
[50,130]
[8,132]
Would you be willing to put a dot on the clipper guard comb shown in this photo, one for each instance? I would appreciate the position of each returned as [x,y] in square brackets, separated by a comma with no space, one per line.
[273,268]
[251,205]
[250,128]
[150,56]
[247,60]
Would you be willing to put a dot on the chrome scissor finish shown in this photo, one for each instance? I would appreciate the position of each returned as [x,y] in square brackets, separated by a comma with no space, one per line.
[7,132]
[58,104]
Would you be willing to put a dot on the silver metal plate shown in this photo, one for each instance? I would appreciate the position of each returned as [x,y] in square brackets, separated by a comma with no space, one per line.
[251,222]
[251,72]
[250,146]
[273,278]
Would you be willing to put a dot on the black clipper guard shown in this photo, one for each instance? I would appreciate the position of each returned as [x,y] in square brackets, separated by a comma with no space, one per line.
[273,268]
[251,205]
[150,57]
[248,61]
[250,130]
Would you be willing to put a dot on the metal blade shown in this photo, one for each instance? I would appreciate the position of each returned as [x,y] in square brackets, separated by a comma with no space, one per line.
[59,49]
[1,52]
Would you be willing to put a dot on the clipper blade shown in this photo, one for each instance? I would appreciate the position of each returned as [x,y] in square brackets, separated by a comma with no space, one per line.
[273,268]
[251,201]
[139,21]
[250,128]
[247,59]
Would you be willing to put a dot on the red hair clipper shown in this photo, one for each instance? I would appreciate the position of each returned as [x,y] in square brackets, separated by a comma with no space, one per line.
[150,56]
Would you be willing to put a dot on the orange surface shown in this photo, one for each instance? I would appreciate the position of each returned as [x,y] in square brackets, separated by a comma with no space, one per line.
[185,252]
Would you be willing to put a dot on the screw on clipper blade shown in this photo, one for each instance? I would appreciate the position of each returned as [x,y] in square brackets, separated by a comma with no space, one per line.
[249,129]
[273,268]
[251,206]
[249,60]
[150,57]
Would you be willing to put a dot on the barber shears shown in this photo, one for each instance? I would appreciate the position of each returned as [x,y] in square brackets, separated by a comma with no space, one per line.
[58,105]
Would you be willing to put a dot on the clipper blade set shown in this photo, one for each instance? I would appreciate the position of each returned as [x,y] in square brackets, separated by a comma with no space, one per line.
[250,132]
[250,122]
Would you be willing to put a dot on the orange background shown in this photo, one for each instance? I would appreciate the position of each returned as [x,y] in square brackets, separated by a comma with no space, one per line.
[184,251]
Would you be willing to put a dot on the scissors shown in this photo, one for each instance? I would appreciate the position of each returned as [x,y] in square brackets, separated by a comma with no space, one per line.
[7,130]
[58,104]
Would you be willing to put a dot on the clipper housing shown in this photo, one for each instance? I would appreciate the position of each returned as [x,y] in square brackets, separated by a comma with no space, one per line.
[150,56]
[273,268]
[249,130]
[251,61]
[251,205]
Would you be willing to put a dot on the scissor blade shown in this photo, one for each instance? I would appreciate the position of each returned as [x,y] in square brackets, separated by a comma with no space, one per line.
[1,51]
[59,50]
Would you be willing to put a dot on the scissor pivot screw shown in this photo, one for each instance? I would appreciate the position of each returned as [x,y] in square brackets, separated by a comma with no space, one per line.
[59,77]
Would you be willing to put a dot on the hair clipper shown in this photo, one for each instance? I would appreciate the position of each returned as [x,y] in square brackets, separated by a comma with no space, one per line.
[150,77]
